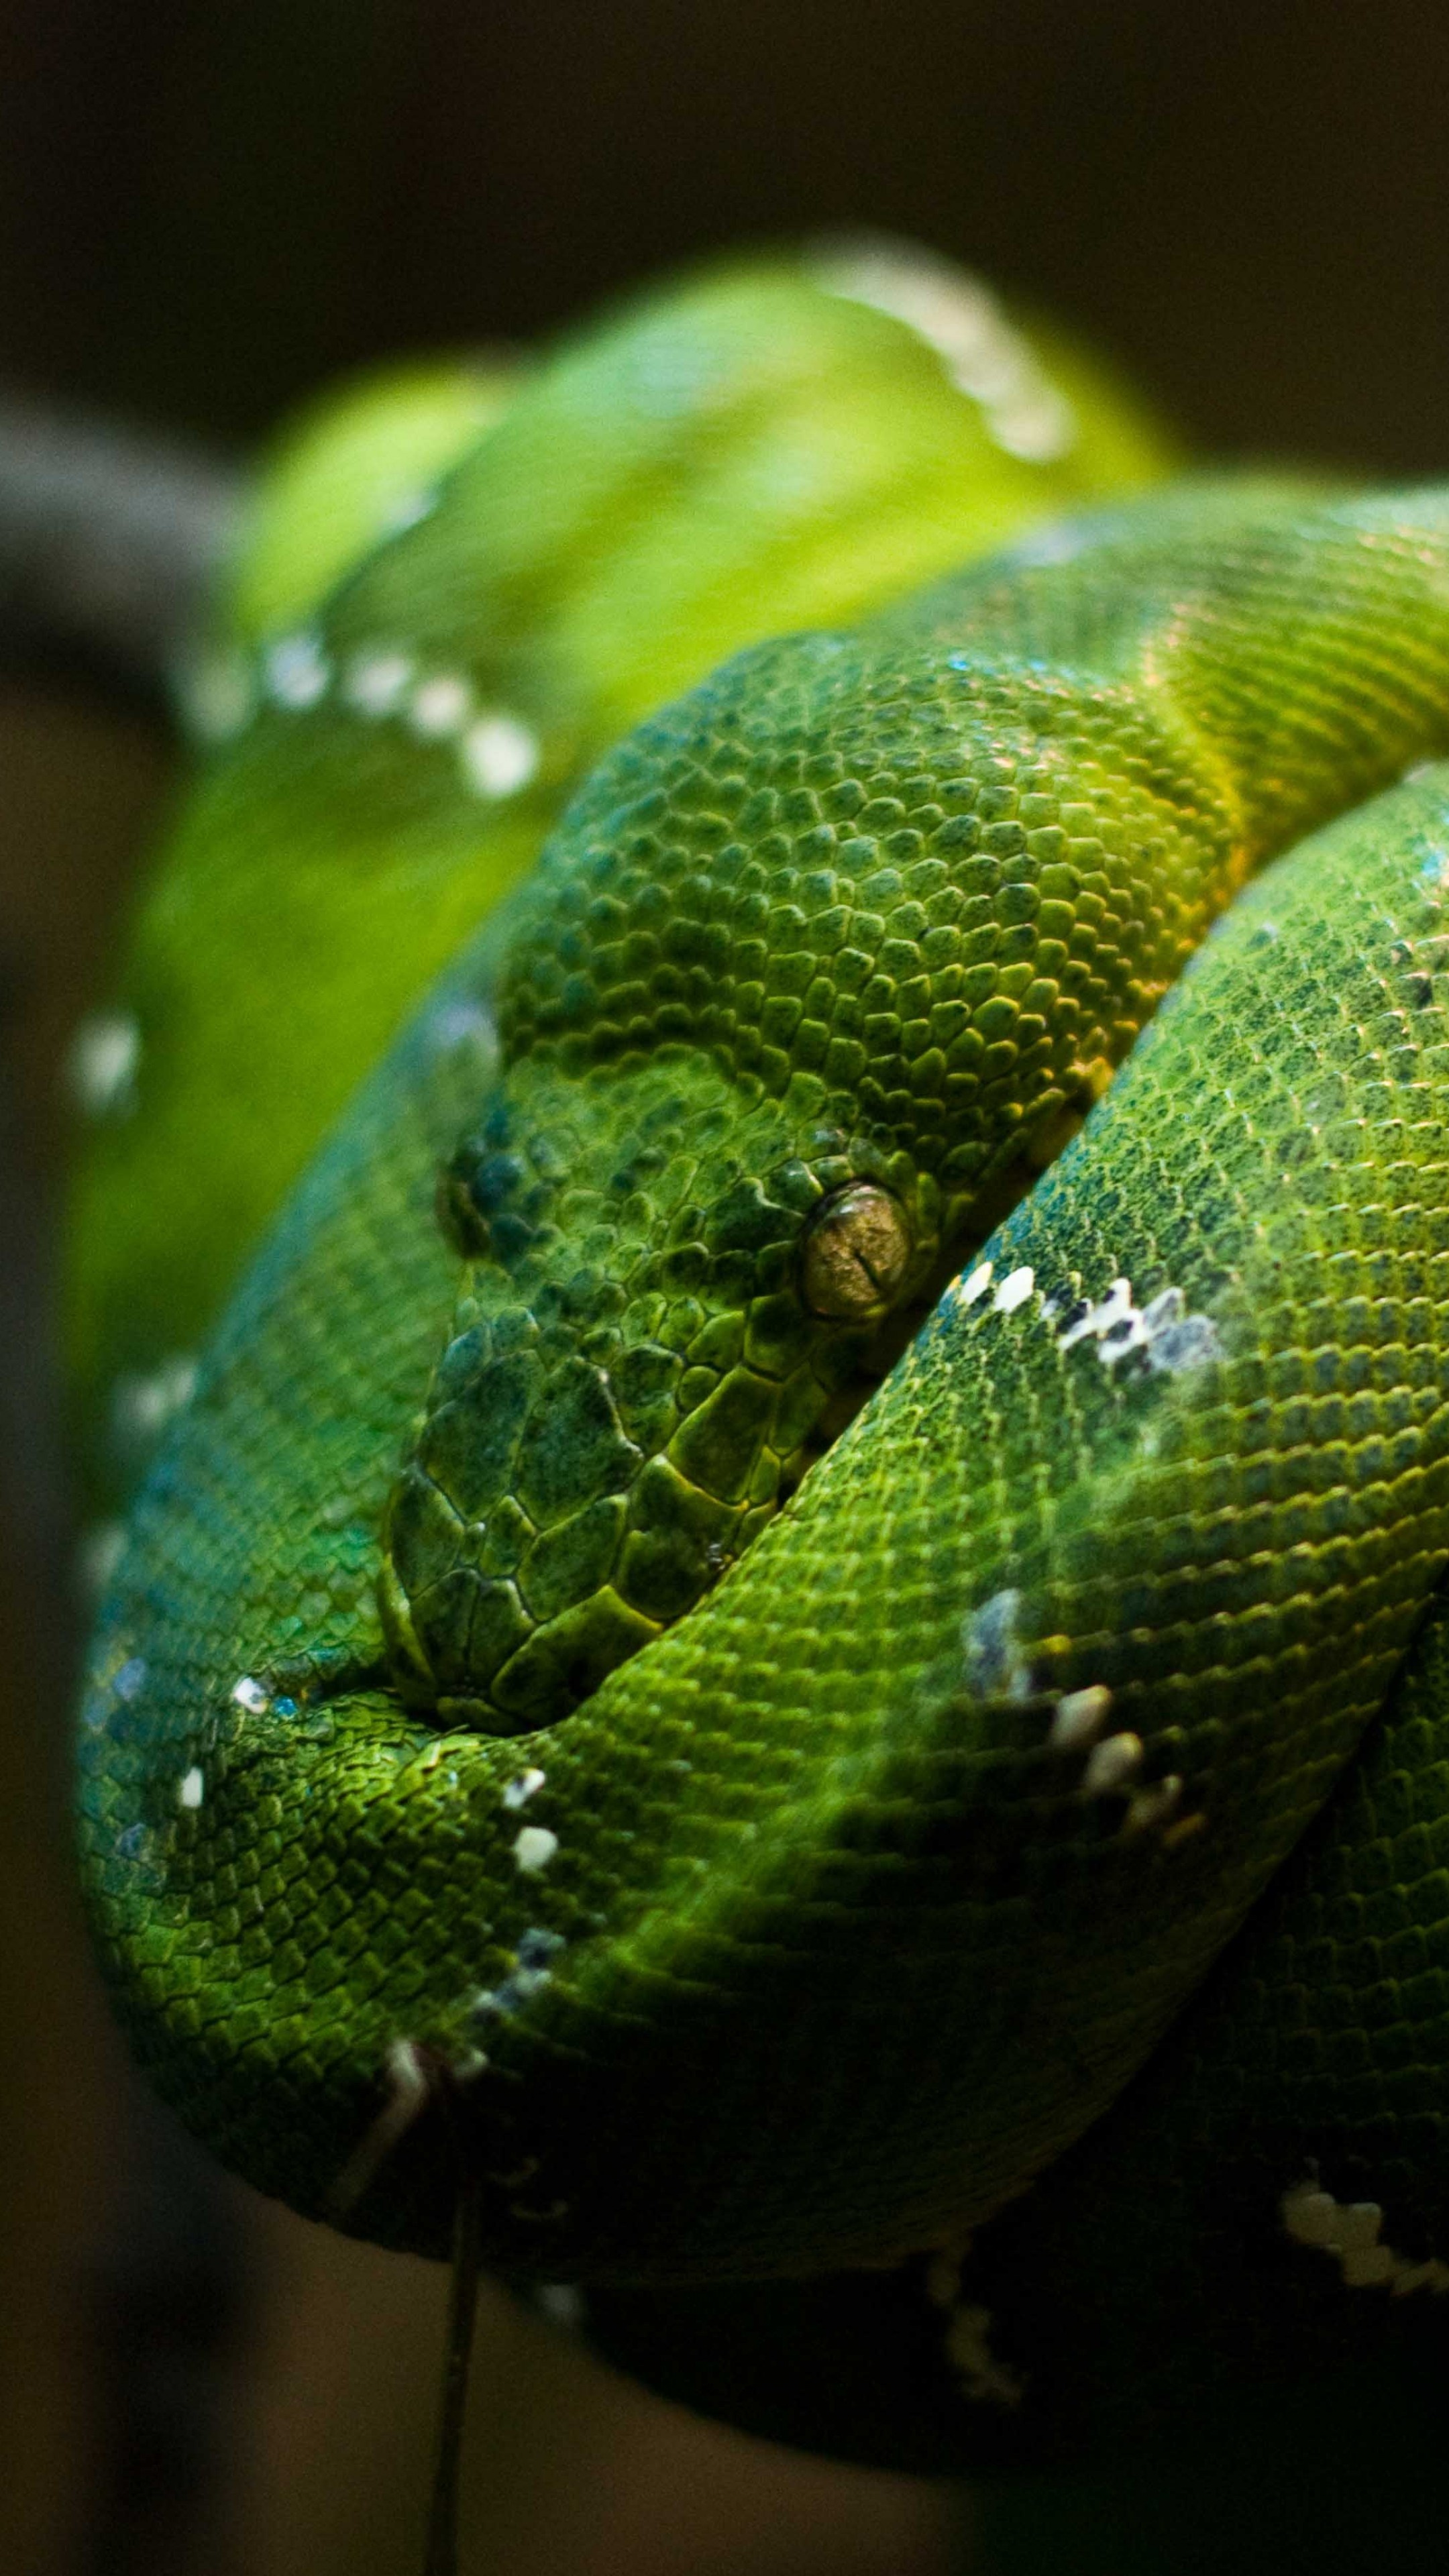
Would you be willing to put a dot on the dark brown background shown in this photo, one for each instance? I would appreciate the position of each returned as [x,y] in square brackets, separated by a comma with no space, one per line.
[203,211]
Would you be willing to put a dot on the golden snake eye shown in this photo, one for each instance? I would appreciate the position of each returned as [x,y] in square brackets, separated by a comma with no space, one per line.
[856,1252]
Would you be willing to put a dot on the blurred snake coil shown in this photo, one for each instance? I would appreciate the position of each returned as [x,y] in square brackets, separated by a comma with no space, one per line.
[837,1622]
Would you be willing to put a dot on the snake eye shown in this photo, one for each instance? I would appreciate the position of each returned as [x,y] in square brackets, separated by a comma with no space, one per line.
[856,1251]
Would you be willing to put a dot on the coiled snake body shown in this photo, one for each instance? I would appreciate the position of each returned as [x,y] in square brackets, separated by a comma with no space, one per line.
[790,1868]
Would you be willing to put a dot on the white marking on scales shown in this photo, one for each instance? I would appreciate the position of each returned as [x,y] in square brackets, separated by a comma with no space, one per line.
[523,1786]
[409,510]
[1014,1291]
[1078,1718]
[1111,1764]
[996,1662]
[982,352]
[98,1555]
[1170,1338]
[533,1848]
[499,754]
[143,1406]
[296,671]
[1350,2231]
[104,1054]
[440,707]
[376,681]
[966,2333]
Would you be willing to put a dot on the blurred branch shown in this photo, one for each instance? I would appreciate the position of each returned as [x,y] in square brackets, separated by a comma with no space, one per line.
[109,539]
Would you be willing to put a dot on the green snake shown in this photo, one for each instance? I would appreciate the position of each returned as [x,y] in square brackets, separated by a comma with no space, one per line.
[863,1744]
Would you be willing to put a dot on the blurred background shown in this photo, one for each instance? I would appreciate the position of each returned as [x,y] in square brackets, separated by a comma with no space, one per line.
[204,213]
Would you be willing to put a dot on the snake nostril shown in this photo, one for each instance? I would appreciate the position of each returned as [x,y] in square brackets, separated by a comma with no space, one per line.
[473,1191]
[856,1252]
[461,1221]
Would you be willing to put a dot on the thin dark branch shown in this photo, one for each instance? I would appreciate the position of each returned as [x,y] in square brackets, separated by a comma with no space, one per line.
[442,2537]
[108,540]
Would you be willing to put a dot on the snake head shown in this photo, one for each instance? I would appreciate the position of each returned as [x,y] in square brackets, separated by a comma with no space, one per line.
[666,1283]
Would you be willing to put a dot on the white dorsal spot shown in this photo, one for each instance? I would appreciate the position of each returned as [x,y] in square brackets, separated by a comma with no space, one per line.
[440,707]
[500,754]
[523,1786]
[296,671]
[533,1848]
[104,1054]
[1014,1291]
[1078,1719]
[1111,1764]
[375,683]
[1351,2231]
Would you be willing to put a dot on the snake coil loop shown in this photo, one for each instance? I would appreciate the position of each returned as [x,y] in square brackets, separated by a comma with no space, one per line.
[932,1923]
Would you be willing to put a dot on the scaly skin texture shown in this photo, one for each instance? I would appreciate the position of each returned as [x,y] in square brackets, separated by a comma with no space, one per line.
[787,1888]
[773,444]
